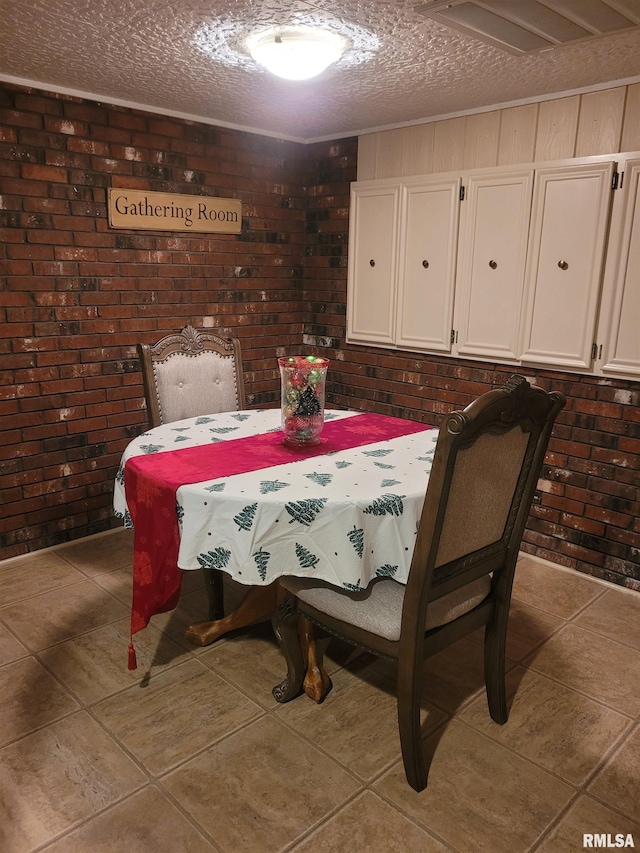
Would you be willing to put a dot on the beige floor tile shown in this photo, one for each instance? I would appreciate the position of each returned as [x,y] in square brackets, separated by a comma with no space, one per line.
[586,816]
[357,724]
[618,783]
[94,665]
[559,593]
[98,554]
[369,825]
[561,730]
[252,660]
[63,613]
[178,713]
[31,698]
[10,648]
[118,583]
[615,615]
[528,629]
[451,678]
[454,675]
[480,798]
[260,789]
[34,574]
[602,668]
[146,822]
[57,777]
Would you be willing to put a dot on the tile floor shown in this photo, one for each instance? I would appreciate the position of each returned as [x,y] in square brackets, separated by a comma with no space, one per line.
[191,752]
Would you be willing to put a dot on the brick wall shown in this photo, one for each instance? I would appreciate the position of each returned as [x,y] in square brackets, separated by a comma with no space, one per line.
[76,297]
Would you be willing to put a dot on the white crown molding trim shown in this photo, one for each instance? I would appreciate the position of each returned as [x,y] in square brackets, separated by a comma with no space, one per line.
[148,108]
[555,96]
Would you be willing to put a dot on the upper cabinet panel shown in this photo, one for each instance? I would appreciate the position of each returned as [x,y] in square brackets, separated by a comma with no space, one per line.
[493,249]
[621,302]
[427,264]
[569,223]
[373,240]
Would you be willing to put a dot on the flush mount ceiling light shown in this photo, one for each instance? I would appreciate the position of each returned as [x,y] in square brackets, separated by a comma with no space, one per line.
[228,42]
[296,53]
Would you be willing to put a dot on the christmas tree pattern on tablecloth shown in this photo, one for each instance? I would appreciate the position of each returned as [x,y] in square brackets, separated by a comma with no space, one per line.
[262,558]
[386,505]
[215,487]
[305,511]
[244,519]
[267,486]
[151,448]
[386,571]
[356,537]
[306,559]
[320,479]
[216,559]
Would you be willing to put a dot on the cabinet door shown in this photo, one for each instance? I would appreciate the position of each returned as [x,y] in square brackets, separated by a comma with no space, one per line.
[621,307]
[564,266]
[373,239]
[427,265]
[493,251]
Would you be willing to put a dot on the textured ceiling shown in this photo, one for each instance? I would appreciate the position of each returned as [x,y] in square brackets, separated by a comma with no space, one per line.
[187,57]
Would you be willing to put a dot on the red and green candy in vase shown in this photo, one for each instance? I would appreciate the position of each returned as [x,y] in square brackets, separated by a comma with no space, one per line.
[303,379]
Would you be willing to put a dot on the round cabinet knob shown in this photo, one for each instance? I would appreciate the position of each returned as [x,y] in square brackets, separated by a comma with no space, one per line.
[372,263]
[563,265]
[493,264]
[425,264]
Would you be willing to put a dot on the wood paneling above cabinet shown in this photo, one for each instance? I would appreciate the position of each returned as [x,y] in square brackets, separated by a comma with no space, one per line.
[601,122]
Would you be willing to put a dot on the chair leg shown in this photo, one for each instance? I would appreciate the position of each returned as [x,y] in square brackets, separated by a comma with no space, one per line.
[495,641]
[409,688]
[285,626]
[215,592]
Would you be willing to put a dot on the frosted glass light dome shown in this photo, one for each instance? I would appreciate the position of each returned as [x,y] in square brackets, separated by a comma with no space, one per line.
[296,53]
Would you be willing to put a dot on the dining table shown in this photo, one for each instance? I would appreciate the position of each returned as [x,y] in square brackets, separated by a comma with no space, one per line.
[223,491]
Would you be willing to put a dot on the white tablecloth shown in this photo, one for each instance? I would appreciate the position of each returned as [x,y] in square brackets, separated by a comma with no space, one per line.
[345,517]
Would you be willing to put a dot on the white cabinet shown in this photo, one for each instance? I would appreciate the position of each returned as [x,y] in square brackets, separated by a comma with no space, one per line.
[373,242]
[569,221]
[493,248]
[402,261]
[620,324]
[511,274]
[427,264]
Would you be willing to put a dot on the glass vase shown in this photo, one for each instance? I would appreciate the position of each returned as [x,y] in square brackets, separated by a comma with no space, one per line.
[303,379]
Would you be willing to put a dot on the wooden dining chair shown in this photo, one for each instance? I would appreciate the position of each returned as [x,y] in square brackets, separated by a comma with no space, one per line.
[485,471]
[191,373]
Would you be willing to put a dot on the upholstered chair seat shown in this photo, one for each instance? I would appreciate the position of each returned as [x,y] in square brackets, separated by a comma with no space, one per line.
[378,608]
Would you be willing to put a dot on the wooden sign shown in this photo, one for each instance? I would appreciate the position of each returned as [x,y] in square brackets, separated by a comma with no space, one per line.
[137,209]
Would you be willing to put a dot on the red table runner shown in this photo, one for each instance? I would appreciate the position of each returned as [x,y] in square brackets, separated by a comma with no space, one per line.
[151,482]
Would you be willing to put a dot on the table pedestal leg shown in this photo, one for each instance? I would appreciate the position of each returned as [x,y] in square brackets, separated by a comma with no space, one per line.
[258,603]
[316,682]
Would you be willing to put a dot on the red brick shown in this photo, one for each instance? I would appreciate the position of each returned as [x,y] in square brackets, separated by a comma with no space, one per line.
[607,516]
[50,174]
